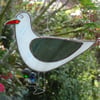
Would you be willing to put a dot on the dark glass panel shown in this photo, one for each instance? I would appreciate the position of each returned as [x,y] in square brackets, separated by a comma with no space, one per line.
[52,49]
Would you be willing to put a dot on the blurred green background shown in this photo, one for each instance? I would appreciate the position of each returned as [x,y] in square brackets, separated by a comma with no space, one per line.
[77,80]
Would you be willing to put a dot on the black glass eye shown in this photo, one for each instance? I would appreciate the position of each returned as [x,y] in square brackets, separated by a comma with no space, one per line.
[21,16]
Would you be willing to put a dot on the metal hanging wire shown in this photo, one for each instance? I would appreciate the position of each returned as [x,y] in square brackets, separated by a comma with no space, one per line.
[55,7]
[38,89]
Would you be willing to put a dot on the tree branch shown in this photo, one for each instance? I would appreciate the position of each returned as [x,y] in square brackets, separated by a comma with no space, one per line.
[59,8]
[43,11]
[73,31]
[3,14]
[5,64]
[9,51]
[53,13]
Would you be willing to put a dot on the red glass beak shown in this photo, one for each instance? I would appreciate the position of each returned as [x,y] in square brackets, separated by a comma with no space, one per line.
[13,22]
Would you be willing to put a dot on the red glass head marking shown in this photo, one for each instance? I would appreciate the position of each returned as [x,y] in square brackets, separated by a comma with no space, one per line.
[13,22]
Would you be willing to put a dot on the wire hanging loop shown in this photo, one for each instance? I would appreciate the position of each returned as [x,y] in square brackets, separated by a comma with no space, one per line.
[47,22]
[38,89]
[36,82]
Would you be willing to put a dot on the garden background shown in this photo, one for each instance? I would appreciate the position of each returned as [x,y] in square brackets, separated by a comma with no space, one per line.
[77,80]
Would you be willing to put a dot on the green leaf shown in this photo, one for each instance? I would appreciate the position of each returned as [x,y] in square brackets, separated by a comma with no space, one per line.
[86,2]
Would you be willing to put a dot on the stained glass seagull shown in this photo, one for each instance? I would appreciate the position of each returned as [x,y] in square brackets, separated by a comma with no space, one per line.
[42,53]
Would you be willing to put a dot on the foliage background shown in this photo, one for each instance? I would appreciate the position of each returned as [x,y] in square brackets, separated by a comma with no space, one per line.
[77,80]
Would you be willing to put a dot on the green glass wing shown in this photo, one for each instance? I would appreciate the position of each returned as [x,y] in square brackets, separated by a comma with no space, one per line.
[52,49]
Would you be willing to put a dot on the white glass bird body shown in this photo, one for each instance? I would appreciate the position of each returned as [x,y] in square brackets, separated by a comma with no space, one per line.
[41,53]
